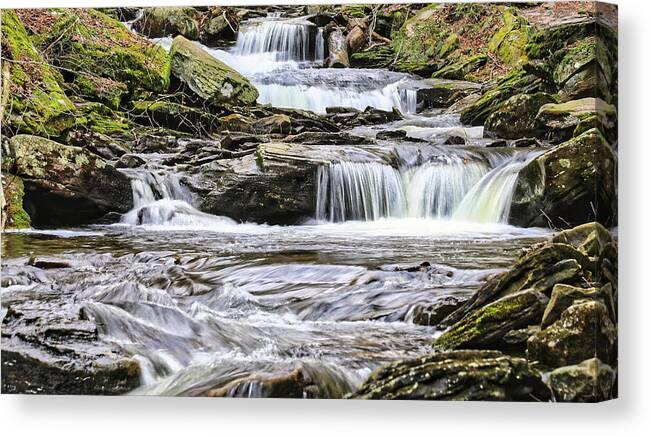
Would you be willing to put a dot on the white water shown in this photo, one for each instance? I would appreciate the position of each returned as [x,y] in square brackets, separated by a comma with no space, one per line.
[457,189]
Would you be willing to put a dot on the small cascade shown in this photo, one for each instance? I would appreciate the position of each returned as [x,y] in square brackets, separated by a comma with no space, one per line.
[452,188]
[159,199]
[490,198]
[290,40]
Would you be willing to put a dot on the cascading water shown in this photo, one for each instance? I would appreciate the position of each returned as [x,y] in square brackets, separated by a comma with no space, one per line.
[455,188]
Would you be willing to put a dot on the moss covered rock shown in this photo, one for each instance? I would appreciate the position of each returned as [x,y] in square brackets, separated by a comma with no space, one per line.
[583,331]
[171,21]
[11,202]
[456,375]
[571,184]
[485,327]
[174,116]
[66,184]
[375,56]
[589,381]
[586,70]
[564,296]
[32,99]
[560,121]
[439,93]
[86,41]
[222,25]
[516,117]
[100,89]
[510,41]
[459,70]
[209,78]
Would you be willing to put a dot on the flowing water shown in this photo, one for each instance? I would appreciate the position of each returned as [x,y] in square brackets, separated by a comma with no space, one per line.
[210,306]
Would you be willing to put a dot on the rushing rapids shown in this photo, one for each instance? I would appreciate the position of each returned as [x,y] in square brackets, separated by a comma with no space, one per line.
[210,306]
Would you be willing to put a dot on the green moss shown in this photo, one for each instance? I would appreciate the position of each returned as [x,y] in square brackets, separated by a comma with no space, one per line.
[100,89]
[14,216]
[90,42]
[460,70]
[581,54]
[510,41]
[157,22]
[34,100]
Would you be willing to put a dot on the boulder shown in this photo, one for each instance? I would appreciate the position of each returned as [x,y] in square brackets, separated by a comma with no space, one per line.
[440,93]
[573,183]
[516,117]
[456,375]
[517,82]
[100,89]
[433,314]
[510,41]
[583,331]
[564,296]
[586,70]
[591,238]
[277,123]
[459,70]
[171,21]
[560,121]
[221,26]
[11,203]
[174,116]
[375,56]
[91,43]
[328,138]
[517,339]
[209,78]
[66,184]
[588,382]
[32,100]
[539,270]
[485,327]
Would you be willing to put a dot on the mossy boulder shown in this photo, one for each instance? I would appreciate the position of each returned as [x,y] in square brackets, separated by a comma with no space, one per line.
[516,117]
[583,331]
[571,184]
[222,25]
[591,238]
[516,82]
[561,121]
[375,56]
[170,21]
[564,296]
[442,93]
[486,327]
[209,78]
[174,116]
[277,123]
[459,70]
[456,375]
[539,270]
[510,41]
[11,202]
[88,42]
[32,99]
[586,70]
[100,89]
[587,382]
[66,184]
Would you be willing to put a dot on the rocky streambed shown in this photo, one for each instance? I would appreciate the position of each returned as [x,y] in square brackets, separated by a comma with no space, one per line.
[299,202]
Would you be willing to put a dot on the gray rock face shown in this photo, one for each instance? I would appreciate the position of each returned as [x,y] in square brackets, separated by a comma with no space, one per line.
[564,296]
[65,184]
[456,375]
[516,117]
[589,381]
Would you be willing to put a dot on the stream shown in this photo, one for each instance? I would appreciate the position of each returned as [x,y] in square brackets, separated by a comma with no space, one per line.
[211,306]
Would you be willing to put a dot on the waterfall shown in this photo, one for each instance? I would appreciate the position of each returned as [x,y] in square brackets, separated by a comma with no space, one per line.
[453,188]
[159,199]
[289,40]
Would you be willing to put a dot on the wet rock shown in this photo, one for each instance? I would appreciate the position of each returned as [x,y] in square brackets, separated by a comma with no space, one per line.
[586,70]
[391,134]
[433,314]
[130,161]
[485,327]
[564,296]
[459,70]
[328,138]
[369,116]
[573,183]
[539,270]
[222,26]
[36,104]
[440,93]
[583,331]
[174,116]
[518,338]
[560,121]
[159,22]
[65,184]
[589,381]
[209,78]
[526,142]
[455,140]
[498,143]
[456,375]
[48,262]
[278,123]
[516,117]
[122,14]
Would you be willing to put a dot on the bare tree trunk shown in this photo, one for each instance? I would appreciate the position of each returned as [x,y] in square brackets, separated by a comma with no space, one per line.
[338,50]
